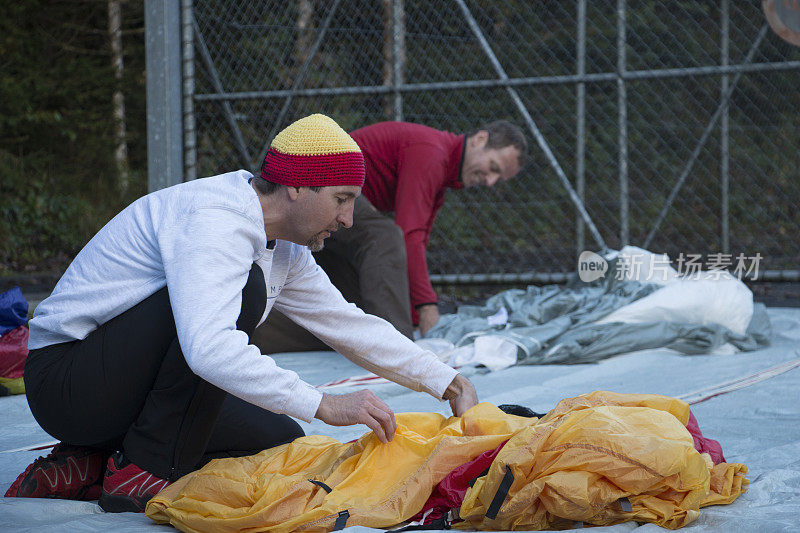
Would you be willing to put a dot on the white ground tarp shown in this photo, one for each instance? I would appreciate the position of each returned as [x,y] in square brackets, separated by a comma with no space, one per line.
[758,425]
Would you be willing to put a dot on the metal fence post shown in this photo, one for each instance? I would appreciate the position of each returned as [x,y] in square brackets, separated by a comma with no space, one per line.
[187,58]
[622,117]
[724,167]
[580,127]
[164,121]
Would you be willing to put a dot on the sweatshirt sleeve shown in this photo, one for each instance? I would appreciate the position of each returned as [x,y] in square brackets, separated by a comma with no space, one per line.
[420,175]
[309,298]
[207,257]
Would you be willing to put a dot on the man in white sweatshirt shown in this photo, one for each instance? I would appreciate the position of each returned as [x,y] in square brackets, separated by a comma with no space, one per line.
[141,362]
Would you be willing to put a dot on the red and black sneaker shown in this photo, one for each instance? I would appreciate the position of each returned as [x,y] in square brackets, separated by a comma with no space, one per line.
[126,487]
[68,472]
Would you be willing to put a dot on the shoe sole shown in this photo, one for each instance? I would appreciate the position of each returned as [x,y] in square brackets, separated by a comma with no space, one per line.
[114,503]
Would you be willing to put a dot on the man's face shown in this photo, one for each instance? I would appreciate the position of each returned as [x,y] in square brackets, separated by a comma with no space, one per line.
[321,213]
[484,167]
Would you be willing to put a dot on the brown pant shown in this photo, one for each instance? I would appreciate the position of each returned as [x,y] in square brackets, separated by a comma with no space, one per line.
[367,263]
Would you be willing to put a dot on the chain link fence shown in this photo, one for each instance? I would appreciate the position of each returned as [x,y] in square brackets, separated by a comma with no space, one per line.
[674,123]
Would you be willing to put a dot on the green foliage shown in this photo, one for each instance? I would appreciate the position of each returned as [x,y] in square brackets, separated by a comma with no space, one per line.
[40,227]
[57,172]
[55,89]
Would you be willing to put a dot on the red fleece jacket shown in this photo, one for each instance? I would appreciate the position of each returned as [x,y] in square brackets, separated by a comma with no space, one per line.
[409,168]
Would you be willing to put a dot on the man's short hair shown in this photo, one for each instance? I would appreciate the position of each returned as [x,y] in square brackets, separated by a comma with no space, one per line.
[503,133]
[266,187]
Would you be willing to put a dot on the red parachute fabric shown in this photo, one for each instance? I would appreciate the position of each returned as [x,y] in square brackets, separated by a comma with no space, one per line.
[450,491]
[703,444]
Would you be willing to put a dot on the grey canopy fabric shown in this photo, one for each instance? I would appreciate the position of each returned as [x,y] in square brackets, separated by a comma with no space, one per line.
[557,324]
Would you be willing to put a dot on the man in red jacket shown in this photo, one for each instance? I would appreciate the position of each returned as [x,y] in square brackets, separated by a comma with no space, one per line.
[379,263]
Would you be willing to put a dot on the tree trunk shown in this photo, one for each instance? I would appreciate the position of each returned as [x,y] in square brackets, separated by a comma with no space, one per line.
[305,14]
[118,101]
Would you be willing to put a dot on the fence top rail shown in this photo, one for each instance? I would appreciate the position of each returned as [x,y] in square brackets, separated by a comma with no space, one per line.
[562,277]
[628,75]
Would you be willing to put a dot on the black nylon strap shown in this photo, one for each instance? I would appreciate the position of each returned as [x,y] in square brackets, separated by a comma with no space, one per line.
[625,504]
[341,522]
[500,495]
[321,484]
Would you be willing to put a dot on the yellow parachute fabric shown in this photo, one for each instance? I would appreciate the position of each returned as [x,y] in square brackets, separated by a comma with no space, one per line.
[378,484]
[588,454]
[585,461]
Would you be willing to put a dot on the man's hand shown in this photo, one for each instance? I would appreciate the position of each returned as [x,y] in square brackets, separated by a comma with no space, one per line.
[361,407]
[428,317]
[461,394]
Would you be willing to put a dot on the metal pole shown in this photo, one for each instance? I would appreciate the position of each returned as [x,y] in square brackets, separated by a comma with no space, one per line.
[580,133]
[544,278]
[164,121]
[725,132]
[187,57]
[569,79]
[226,106]
[622,118]
[296,84]
[398,55]
[703,138]
[563,277]
[531,124]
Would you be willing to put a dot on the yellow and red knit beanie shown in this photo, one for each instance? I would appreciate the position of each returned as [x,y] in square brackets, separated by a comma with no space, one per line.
[314,152]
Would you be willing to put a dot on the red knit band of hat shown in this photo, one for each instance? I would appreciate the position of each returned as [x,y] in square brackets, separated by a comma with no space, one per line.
[324,170]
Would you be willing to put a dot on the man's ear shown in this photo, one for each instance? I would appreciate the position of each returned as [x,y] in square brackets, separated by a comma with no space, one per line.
[479,139]
[296,192]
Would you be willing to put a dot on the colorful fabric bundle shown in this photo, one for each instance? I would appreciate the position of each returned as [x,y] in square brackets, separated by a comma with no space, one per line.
[600,459]
[13,341]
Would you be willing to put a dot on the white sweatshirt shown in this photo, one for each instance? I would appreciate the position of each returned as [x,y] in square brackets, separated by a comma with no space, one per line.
[201,239]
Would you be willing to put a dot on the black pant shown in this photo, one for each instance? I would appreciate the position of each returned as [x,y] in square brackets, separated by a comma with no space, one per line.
[367,263]
[127,386]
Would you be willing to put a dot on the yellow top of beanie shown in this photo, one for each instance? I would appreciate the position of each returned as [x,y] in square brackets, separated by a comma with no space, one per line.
[314,135]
